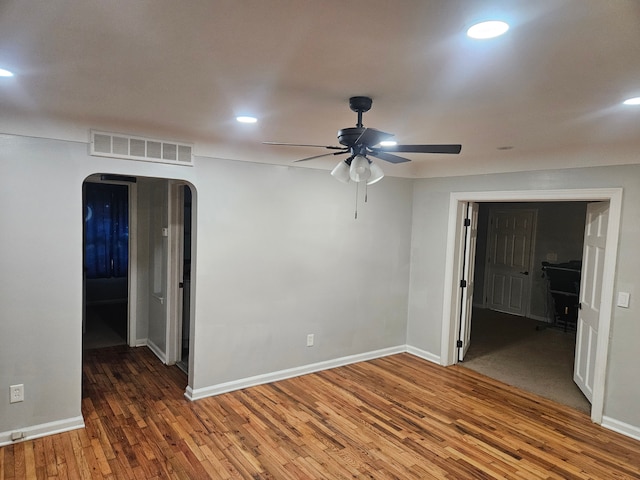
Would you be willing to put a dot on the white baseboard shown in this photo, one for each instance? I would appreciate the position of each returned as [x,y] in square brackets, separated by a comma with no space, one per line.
[59,426]
[140,342]
[157,351]
[621,427]
[198,393]
[44,429]
[423,354]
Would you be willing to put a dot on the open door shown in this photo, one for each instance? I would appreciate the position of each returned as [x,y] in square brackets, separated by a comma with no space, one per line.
[179,275]
[595,237]
[466,301]
[508,284]
[185,284]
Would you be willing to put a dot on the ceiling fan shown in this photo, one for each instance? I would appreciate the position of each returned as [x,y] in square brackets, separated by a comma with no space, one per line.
[359,142]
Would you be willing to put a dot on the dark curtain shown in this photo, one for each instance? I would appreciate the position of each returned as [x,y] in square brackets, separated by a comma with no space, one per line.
[106,229]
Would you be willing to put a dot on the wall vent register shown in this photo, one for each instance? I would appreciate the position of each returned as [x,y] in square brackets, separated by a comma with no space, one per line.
[116,145]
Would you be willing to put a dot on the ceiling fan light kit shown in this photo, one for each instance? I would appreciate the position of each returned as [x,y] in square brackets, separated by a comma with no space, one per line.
[359,170]
[341,171]
[376,173]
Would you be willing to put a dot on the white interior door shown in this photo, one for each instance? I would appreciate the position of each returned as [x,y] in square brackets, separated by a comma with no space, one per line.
[508,284]
[157,192]
[175,273]
[471,236]
[595,237]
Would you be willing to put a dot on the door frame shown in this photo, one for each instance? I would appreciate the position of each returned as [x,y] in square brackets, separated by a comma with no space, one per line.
[451,302]
[133,265]
[175,274]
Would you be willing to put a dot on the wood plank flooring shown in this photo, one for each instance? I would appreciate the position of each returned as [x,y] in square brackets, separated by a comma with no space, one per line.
[397,417]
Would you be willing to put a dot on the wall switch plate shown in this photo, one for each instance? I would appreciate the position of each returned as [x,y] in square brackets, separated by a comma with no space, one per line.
[17,393]
[310,340]
[623,299]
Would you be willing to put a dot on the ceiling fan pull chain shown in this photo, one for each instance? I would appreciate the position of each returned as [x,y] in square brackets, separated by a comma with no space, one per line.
[356,215]
[366,192]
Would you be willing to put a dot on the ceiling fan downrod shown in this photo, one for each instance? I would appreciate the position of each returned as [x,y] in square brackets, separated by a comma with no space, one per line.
[360,105]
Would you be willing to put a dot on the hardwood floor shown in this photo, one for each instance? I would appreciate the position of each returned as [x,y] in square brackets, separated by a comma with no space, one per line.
[395,417]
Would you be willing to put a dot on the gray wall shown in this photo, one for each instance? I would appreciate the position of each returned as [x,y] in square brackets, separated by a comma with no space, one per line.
[278,256]
[560,231]
[430,220]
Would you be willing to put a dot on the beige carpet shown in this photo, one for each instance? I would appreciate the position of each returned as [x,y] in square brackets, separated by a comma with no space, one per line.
[511,349]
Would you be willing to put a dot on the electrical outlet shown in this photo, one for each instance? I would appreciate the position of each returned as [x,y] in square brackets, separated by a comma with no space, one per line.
[310,340]
[17,393]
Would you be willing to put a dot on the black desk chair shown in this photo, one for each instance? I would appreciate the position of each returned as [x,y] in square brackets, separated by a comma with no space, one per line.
[563,283]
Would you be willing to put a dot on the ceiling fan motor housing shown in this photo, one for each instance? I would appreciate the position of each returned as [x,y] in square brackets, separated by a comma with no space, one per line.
[349,136]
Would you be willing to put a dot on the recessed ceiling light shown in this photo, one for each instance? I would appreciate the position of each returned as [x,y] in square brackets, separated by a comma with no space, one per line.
[5,73]
[246,119]
[388,143]
[490,29]
[632,101]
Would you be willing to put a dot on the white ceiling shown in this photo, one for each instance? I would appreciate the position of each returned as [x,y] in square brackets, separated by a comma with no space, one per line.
[551,87]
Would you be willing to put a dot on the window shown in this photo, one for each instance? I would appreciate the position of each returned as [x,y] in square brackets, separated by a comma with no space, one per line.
[106,230]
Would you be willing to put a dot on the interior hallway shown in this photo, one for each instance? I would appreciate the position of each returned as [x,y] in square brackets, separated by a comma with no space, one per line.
[105,325]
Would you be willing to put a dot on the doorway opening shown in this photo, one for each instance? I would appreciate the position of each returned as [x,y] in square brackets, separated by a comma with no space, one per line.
[106,262]
[139,254]
[455,296]
[514,335]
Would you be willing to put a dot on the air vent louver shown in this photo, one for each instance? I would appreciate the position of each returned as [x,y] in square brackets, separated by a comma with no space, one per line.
[116,145]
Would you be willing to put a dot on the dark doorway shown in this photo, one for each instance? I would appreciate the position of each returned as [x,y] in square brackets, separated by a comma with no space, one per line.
[106,264]
[183,363]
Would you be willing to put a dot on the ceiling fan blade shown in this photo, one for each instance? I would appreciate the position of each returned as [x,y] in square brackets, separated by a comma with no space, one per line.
[319,156]
[423,148]
[371,137]
[387,157]
[303,145]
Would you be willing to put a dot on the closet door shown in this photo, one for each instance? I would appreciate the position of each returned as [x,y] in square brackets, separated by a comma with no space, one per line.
[508,283]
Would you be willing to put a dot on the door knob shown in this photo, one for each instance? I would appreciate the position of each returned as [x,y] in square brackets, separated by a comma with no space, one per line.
[524,273]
